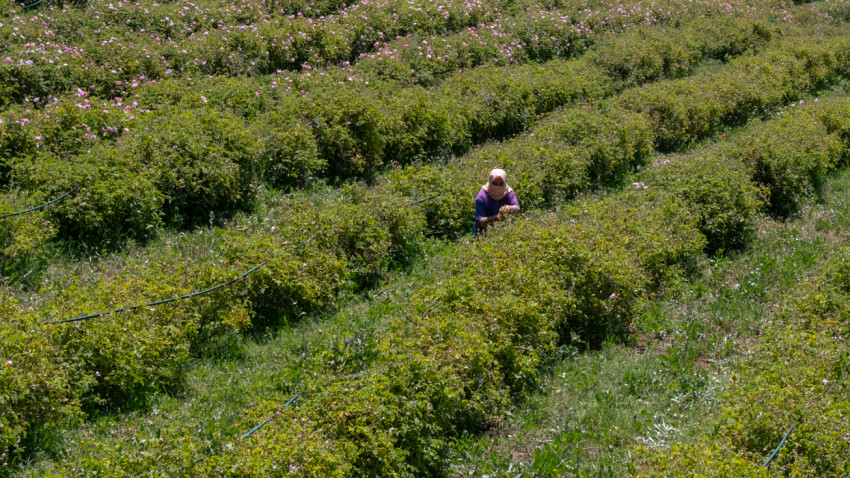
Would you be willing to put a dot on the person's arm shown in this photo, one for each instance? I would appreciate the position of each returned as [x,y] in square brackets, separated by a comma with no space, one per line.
[484,221]
[480,218]
[513,205]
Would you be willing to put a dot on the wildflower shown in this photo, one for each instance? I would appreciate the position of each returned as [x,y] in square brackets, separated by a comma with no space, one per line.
[38,138]
[825,381]
[97,374]
[203,99]
[257,94]
[10,363]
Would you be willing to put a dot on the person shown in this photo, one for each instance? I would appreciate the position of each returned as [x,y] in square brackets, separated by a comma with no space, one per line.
[494,201]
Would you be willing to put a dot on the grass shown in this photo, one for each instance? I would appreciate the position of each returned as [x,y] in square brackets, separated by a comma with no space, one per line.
[595,407]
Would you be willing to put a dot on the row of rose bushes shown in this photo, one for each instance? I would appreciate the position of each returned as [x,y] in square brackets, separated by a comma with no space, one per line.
[151,355]
[176,164]
[389,402]
[60,51]
[424,59]
[797,374]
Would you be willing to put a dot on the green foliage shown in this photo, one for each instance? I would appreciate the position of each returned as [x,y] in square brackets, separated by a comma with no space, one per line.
[501,307]
[795,375]
[288,154]
[132,353]
[22,237]
[113,198]
[604,262]
[791,369]
[632,63]
[35,387]
[202,160]
[718,191]
[189,159]
[790,157]
[692,109]
[702,460]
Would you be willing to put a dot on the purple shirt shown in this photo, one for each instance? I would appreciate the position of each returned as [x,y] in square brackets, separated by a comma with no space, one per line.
[485,206]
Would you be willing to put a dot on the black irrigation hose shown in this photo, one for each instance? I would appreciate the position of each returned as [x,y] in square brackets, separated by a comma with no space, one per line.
[428,308]
[426,199]
[276,412]
[174,299]
[247,434]
[802,415]
[36,208]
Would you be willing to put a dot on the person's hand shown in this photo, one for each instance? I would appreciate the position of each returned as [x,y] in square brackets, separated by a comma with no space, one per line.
[504,210]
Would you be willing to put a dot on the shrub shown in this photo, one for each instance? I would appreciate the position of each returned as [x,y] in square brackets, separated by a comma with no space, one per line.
[202,160]
[717,190]
[114,197]
[627,59]
[728,37]
[700,459]
[784,381]
[22,238]
[350,128]
[613,142]
[127,355]
[790,158]
[657,227]
[833,113]
[35,389]
[576,150]
[288,154]
[338,131]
